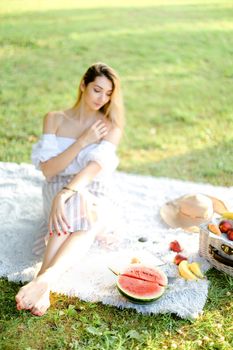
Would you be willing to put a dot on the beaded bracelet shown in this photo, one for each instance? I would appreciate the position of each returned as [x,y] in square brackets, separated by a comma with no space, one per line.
[69,189]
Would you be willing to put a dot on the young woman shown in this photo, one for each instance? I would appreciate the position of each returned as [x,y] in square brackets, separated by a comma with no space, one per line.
[76,153]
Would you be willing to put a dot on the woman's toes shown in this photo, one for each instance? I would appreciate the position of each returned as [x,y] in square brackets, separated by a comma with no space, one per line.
[19,306]
[28,306]
[40,308]
[19,297]
[34,297]
[37,312]
[23,305]
[44,309]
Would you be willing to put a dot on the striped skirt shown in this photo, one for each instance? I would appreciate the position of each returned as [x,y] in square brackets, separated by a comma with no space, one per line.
[81,210]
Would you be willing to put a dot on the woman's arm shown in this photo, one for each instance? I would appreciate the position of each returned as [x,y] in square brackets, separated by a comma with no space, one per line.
[57,218]
[87,174]
[79,181]
[57,164]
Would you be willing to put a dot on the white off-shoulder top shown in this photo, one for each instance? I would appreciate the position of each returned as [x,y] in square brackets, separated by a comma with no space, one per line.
[51,145]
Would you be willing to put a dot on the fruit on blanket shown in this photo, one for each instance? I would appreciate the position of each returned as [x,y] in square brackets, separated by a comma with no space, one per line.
[146,273]
[225,225]
[195,268]
[135,260]
[142,284]
[228,215]
[185,272]
[230,234]
[214,229]
[175,246]
[178,258]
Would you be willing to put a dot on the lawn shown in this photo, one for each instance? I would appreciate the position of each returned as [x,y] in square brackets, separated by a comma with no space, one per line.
[175,61]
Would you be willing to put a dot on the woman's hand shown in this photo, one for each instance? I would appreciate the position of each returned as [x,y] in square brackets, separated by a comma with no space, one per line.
[57,218]
[94,133]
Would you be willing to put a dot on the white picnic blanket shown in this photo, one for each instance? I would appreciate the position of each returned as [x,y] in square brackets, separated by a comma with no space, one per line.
[139,199]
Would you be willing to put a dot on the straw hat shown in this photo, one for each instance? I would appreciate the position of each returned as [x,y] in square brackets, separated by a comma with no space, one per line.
[191,210]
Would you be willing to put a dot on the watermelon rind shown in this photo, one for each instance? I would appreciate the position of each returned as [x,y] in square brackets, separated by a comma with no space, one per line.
[142,284]
[139,300]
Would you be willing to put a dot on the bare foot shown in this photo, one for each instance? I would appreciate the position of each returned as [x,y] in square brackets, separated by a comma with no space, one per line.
[29,295]
[41,306]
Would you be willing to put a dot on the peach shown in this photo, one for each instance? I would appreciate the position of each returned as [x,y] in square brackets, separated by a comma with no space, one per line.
[214,229]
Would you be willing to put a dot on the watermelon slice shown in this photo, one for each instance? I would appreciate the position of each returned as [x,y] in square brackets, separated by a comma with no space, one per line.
[141,284]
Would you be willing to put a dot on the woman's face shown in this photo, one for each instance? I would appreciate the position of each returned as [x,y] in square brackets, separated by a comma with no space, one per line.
[98,93]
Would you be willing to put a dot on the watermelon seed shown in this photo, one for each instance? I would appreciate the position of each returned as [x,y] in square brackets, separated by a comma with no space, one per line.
[141,279]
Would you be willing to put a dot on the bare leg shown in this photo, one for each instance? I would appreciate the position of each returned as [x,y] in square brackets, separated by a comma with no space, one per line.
[54,244]
[35,295]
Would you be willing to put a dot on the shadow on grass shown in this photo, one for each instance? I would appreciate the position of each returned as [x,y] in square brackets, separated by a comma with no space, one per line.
[7,299]
[209,165]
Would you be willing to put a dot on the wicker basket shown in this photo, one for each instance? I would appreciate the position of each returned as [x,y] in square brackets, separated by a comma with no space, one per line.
[218,250]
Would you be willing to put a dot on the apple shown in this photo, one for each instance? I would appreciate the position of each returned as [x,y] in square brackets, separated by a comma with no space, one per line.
[225,225]
[230,234]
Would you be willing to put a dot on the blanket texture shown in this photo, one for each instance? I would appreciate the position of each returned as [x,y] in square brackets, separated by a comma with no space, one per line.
[138,199]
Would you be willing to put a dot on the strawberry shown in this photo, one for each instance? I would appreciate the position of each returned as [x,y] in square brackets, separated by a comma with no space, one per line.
[178,258]
[175,247]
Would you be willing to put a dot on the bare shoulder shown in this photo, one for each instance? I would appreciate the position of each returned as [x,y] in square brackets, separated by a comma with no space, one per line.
[114,135]
[52,121]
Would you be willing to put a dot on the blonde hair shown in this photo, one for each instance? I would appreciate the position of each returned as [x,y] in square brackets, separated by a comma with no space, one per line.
[114,109]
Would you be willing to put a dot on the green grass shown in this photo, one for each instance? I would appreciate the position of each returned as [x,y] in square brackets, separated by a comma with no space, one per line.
[175,60]
[176,64]
[72,324]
